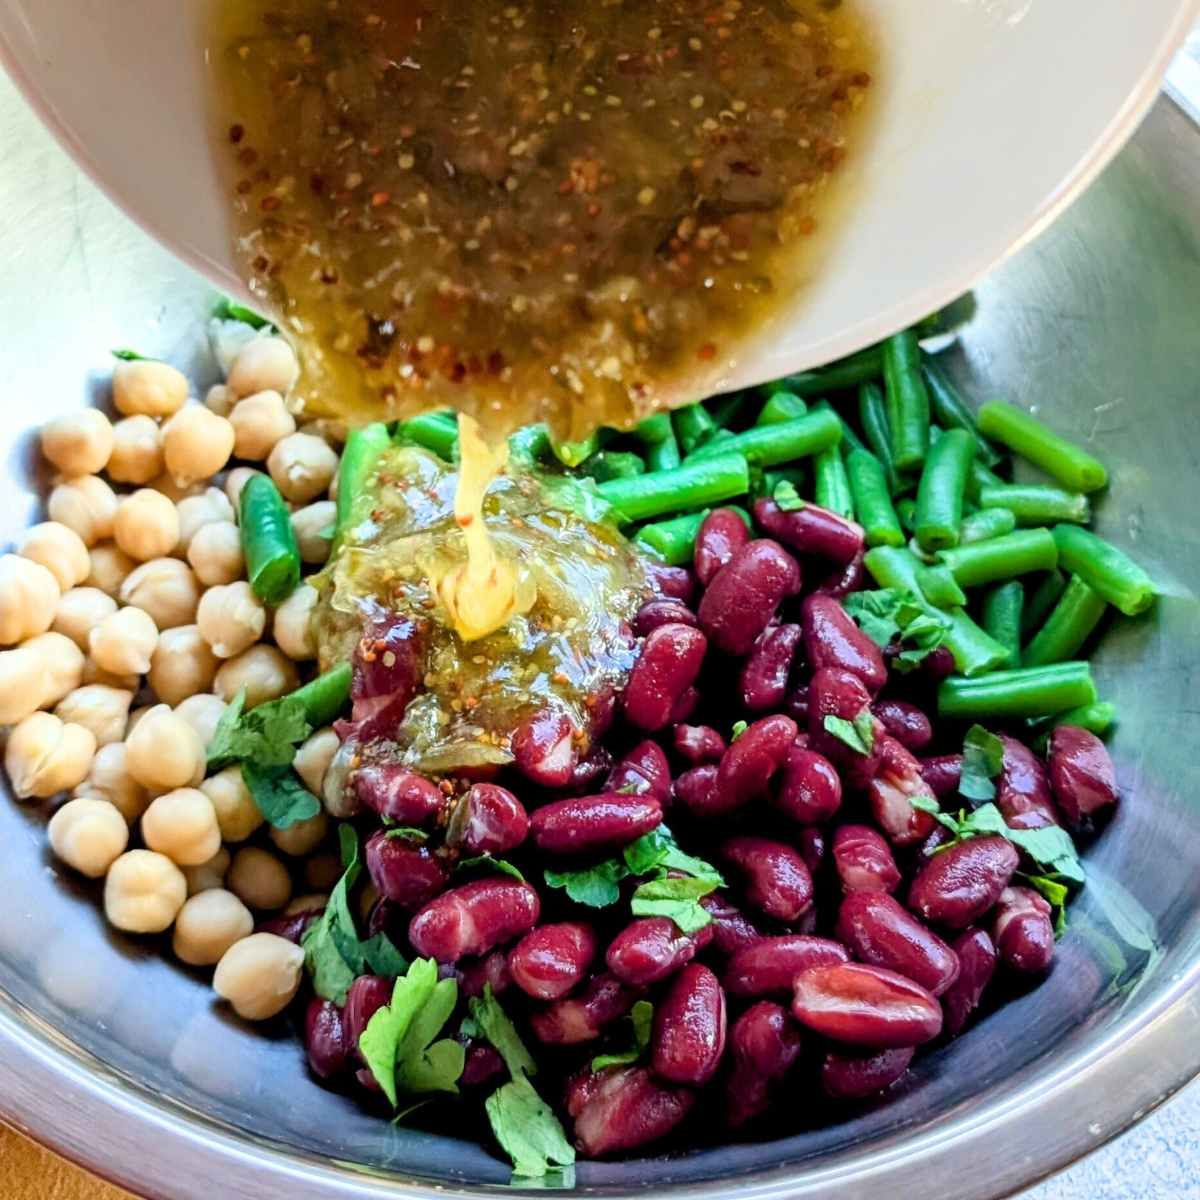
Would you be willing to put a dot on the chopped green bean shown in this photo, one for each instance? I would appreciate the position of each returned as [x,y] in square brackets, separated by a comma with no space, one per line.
[1108,569]
[952,412]
[1070,464]
[693,427]
[613,464]
[673,542]
[664,455]
[691,485]
[941,490]
[1068,627]
[850,439]
[1035,504]
[906,510]
[726,409]
[362,450]
[1024,692]
[782,406]
[771,445]
[1096,718]
[1019,553]
[796,476]
[530,443]
[837,376]
[975,651]
[872,501]
[1002,608]
[984,524]
[435,431]
[940,587]
[1041,604]
[980,478]
[655,429]
[872,416]
[907,399]
[268,541]
[831,486]
[325,697]
[572,454]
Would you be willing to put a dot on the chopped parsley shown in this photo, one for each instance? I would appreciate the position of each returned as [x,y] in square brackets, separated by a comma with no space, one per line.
[983,757]
[858,734]
[642,1016]
[891,615]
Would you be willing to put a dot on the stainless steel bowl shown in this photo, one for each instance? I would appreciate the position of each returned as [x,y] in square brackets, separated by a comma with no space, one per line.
[118,1058]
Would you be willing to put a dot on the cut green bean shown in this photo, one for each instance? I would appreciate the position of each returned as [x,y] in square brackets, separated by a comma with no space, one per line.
[850,439]
[907,399]
[691,485]
[975,651]
[361,452]
[1024,692]
[726,409]
[1040,604]
[655,429]
[872,500]
[434,431]
[951,411]
[1106,568]
[940,587]
[796,476]
[782,406]
[1022,432]
[1002,609]
[831,486]
[573,454]
[1035,504]
[325,697]
[772,445]
[693,427]
[1068,627]
[1019,553]
[872,416]
[613,464]
[530,443]
[673,542]
[268,541]
[906,510]
[846,373]
[1096,718]
[664,455]
[942,488]
[984,524]
[980,478]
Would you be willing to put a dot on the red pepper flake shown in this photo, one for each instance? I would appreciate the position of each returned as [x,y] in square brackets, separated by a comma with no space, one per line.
[465,520]
[379,199]
[706,352]
[269,203]
[236,133]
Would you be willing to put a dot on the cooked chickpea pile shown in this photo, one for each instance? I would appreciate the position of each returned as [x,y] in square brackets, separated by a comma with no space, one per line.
[127,626]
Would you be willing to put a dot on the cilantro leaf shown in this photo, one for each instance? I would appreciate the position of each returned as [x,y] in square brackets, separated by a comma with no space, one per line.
[858,734]
[678,899]
[983,757]
[786,496]
[231,310]
[658,850]
[527,1129]
[642,1016]
[891,614]
[266,735]
[486,860]
[739,727]
[595,887]
[382,958]
[1056,893]
[280,796]
[127,355]
[496,1025]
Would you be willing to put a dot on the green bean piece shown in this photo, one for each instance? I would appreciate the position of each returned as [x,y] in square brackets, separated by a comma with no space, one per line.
[1041,604]
[920,555]
[726,409]
[1068,627]
[655,429]
[940,587]
[980,478]
[771,445]
[850,439]
[693,427]
[573,454]
[941,490]
[951,411]
[1035,504]
[1108,569]
[1024,692]
[1096,718]
[325,697]
[691,485]
[613,464]
[1019,553]
[1002,609]
[529,443]
[894,567]
[268,542]
[796,476]
[872,416]
[831,485]
[1023,433]
[362,450]
[849,372]
[872,500]
[907,399]
[984,524]
[664,455]
[906,510]
[975,651]
[434,431]
[673,542]
[782,406]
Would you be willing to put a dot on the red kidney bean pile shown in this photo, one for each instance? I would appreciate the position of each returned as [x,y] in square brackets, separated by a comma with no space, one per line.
[852,931]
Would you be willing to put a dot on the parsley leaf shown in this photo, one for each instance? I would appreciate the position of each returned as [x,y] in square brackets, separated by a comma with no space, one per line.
[642,1016]
[890,614]
[1056,893]
[231,310]
[407,832]
[280,796]
[858,734]
[739,727]
[486,860]
[595,887]
[127,355]
[678,899]
[527,1129]
[266,735]
[983,756]
[786,496]
[496,1025]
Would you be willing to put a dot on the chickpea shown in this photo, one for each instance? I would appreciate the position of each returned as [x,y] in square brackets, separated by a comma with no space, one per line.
[153,389]
[259,422]
[109,567]
[45,756]
[332,493]
[302,466]
[216,553]
[262,670]
[136,716]
[109,780]
[259,976]
[182,665]
[322,871]
[208,875]
[137,454]
[264,364]
[220,399]
[208,924]
[78,443]
[60,550]
[29,597]
[197,511]
[87,505]
[302,837]
[165,588]
[313,527]
[124,641]
[78,611]
[89,835]
[259,879]
[146,525]
[93,672]
[102,710]
[313,758]
[163,752]
[202,712]
[237,814]
[231,618]
[293,625]
[334,432]
[38,673]
[143,892]
[196,443]
[182,825]
[174,491]
[235,481]
[310,902]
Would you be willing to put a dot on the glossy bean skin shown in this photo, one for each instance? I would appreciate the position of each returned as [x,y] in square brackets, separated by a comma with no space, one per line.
[942,774]
[325,1038]
[770,965]
[748,765]
[685,707]
[477,974]
[864,860]
[399,794]
[670,660]
[693,788]
[644,771]
[977,959]
[905,722]
[367,995]
[496,820]
[583,1018]
[292,926]
[744,594]
[544,748]
[845,578]
[619,1110]
[897,783]
[832,639]
[590,770]
[855,1077]
[688,1035]
[550,960]
[722,534]
[675,583]
[1081,774]
[698,744]
[1023,790]
[811,530]
[732,929]
[482,1065]
[764,1044]
[1023,932]
[408,874]
[809,789]
[833,692]
[878,930]
[388,667]
[957,886]
[662,611]
[866,1006]
[764,676]
[591,823]
[796,705]
[473,919]
[651,948]
[776,880]
[811,844]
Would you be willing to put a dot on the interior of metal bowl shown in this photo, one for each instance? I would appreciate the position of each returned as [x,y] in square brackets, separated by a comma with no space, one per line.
[118,1056]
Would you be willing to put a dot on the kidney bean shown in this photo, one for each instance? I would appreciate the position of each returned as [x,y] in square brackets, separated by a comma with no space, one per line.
[582,1018]
[325,1038]
[905,722]
[744,594]
[619,1110]
[942,774]
[896,784]
[937,665]
[832,639]
[651,948]
[765,674]
[551,959]
[864,860]
[685,707]
[957,886]
[747,766]
[644,771]
[1022,790]
[388,667]
[476,974]
[811,844]
[588,823]
[292,926]
[811,530]
[722,534]
[599,762]
[865,1006]
[844,579]
[693,788]
[544,748]
[670,660]
[878,930]
[688,1037]
[399,794]
[482,1064]
[661,611]
[602,710]
[676,583]
[857,1076]
[809,789]
[697,744]
[732,929]
[496,820]
[776,881]
[1081,773]
[796,705]
[764,1043]
[367,995]
[770,964]
[977,964]
[836,693]
[405,873]
[473,918]
[1023,932]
